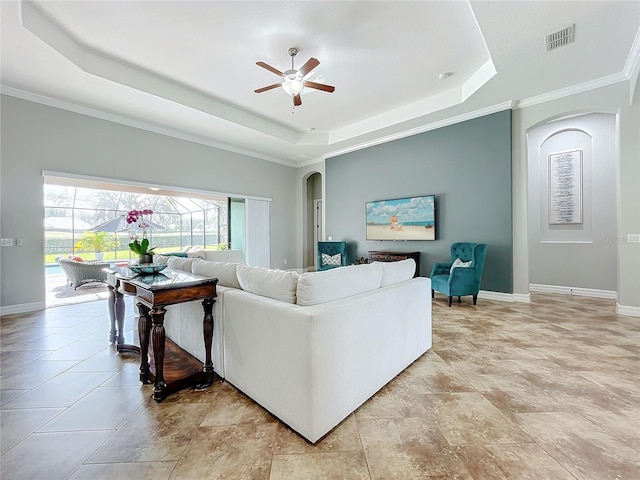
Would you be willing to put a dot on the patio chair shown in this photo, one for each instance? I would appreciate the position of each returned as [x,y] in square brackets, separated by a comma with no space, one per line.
[79,273]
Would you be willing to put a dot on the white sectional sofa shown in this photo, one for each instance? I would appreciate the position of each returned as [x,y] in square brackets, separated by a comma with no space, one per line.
[312,347]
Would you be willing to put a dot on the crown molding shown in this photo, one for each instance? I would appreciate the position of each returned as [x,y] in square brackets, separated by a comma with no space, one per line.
[572,90]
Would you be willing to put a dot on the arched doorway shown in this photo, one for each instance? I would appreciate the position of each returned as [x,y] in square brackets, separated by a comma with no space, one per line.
[312,218]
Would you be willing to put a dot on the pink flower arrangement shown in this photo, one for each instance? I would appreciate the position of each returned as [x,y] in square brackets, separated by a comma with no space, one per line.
[137,216]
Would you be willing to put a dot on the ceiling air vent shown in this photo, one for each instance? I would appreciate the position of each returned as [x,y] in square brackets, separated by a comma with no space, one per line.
[560,38]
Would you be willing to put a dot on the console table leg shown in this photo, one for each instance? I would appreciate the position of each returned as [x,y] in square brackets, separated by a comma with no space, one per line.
[207,328]
[119,314]
[112,313]
[144,327]
[158,338]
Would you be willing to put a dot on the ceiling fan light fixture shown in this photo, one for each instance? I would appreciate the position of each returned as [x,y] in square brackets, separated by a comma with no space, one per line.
[292,86]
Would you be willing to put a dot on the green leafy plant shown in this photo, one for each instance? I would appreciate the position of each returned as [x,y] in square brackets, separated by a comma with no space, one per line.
[95,242]
[141,248]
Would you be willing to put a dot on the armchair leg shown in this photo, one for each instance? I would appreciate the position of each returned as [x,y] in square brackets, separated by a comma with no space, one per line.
[458,298]
[433,293]
[450,297]
[475,298]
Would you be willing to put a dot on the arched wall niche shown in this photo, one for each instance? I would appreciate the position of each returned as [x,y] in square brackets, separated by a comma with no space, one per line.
[581,253]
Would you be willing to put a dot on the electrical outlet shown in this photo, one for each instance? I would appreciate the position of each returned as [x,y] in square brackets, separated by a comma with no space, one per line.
[6,242]
[633,238]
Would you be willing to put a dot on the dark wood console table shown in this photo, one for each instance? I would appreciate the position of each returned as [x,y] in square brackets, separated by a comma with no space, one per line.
[153,294]
[391,256]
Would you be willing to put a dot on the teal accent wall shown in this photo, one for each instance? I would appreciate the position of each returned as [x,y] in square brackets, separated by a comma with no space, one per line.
[467,166]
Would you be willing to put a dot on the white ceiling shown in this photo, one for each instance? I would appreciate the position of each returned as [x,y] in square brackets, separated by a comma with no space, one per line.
[188,68]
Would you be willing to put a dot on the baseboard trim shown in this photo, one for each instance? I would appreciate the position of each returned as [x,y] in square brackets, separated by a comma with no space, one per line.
[22,308]
[627,310]
[505,297]
[582,292]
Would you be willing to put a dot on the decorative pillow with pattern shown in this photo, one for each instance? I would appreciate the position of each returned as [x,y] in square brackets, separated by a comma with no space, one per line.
[460,264]
[333,260]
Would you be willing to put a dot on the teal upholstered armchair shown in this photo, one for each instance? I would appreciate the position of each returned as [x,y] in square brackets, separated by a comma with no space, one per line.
[331,255]
[462,275]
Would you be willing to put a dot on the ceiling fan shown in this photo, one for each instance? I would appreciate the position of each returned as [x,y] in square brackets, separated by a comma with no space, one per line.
[293,80]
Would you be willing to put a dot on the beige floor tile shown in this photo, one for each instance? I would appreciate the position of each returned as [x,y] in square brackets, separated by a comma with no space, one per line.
[155,433]
[544,390]
[408,449]
[117,471]
[33,374]
[580,446]
[320,466]
[61,391]
[18,424]
[103,408]
[521,461]
[241,452]
[232,407]
[50,456]
[394,400]
[470,419]
[343,438]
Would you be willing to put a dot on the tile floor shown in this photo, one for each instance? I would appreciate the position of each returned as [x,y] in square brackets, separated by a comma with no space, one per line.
[547,390]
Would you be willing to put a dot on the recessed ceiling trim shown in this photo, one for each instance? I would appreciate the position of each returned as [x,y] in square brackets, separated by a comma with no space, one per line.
[103,65]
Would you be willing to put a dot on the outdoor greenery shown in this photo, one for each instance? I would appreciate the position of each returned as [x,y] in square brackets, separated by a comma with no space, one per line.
[96,242]
[71,211]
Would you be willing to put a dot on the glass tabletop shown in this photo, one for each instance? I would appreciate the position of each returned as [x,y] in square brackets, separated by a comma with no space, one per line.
[166,279]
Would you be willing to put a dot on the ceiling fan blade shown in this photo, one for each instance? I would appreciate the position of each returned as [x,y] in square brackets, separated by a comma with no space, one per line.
[307,67]
[297,101]
[270,87]
[320,86]
[270,68]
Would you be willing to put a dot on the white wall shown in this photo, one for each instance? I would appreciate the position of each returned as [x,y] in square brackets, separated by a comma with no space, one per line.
[612,99]
[37,137]
[581,255]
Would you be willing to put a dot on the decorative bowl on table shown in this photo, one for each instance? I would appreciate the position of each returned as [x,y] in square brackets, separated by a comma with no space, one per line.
[148,268]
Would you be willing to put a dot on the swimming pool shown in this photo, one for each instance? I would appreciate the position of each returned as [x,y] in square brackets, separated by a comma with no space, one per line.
[53,270]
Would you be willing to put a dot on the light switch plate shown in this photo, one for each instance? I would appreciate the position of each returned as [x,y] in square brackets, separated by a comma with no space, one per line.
[6,242]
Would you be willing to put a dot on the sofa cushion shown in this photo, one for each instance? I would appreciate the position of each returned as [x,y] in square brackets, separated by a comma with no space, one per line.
[277,284]
[396,272]
[196,254]
[179,263]
[225,272]
[328,285]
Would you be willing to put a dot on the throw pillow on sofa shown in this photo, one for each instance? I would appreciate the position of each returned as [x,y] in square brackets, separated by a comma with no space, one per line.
[277,284]
[333,260]
[328,285]
[396,272]
[225,272]
[179,263]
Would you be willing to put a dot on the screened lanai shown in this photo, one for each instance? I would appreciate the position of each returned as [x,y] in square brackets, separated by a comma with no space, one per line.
[183,221]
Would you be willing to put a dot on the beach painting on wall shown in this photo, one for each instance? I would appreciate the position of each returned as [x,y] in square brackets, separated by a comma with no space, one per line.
[411,218]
